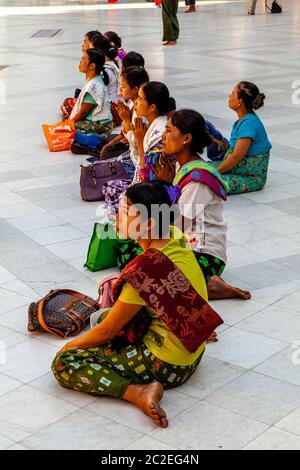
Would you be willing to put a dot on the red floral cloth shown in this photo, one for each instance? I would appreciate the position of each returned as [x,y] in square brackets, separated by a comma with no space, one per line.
[170,294]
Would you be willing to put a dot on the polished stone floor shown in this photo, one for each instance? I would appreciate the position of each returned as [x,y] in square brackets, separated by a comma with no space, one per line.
[246,394]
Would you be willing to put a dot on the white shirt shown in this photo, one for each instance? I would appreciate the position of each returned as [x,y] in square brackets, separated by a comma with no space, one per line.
[153,136]
[204,208]
[155,132]
[113,86]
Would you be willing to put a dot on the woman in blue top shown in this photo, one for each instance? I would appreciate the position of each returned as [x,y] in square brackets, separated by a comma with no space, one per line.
[245,165]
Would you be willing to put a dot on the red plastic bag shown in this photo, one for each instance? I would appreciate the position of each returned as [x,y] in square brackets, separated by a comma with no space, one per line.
[60,135]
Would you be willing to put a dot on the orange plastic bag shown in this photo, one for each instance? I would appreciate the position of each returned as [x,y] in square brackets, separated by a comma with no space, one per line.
[59,136]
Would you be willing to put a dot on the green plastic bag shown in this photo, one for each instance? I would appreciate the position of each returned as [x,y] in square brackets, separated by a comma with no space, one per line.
[107,250]
[102,252]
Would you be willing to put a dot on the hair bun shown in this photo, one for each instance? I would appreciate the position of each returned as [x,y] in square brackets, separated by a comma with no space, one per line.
[112,53]
[203,141]
[258,101]
[206,139]
[171,104]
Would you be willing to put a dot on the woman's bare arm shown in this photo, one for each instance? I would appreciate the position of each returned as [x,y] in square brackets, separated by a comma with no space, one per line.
[240,151]
[119,315]
[83,112]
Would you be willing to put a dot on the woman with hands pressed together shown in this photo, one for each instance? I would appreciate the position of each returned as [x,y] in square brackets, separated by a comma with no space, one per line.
[131,80]
[153,104]
[202,191]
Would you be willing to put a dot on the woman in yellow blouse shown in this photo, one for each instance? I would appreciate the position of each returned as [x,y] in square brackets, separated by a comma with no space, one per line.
[154,336]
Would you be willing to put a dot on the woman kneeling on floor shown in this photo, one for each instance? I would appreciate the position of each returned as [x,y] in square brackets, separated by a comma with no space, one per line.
[245,165]
[91,112]
[154,336]
[201,192]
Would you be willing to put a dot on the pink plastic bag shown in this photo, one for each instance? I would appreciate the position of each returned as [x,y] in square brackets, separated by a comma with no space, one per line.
[105,299]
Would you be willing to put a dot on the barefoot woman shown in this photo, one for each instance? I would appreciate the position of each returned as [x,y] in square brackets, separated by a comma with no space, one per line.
[170,22]
[154,336]
[201,201]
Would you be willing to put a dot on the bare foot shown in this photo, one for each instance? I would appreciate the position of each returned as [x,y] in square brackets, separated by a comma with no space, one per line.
[170,43]
[213,338]
[147,398]
[191,9]
[218,289]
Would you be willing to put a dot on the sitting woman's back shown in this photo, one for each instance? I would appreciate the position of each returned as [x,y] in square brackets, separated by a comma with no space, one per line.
[245,166]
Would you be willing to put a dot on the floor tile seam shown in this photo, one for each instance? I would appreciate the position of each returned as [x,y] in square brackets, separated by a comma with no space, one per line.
[271,427]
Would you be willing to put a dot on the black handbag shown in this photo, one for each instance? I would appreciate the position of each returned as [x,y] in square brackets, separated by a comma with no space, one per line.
[62,312]
[275,8]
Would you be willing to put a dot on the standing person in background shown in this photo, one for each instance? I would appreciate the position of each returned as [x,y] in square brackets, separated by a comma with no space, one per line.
[191,4]
[251,6]
[170,22]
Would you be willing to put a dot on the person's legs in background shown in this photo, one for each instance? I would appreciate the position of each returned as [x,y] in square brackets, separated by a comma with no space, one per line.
[191,6]
[170,22]
[251,6]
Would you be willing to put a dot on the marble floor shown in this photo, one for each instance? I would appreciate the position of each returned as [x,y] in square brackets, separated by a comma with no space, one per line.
[246,394]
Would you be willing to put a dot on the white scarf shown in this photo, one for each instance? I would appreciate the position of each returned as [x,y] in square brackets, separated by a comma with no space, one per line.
[155,132]
[98,91]
[114,76]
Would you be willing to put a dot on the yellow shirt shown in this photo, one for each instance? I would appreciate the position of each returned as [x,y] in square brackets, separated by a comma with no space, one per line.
[160,340]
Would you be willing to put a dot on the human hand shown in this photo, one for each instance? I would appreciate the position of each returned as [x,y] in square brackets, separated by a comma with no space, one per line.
[123,111]
[70,345]
[123,140]
[164,170]
[103,150]
[139,129]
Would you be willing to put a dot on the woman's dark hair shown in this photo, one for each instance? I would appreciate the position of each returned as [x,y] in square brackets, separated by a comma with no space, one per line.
[152,194]
[135,76]
[157,93]
[97,57]
[253,99]
[191,122]
[133,59]
[101,42]
[114,39]
[91,34]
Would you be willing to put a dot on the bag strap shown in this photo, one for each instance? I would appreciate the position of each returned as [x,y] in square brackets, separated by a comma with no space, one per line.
[51,294]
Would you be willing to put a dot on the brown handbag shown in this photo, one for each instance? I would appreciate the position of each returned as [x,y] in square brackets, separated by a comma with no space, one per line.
[62,312]
[94,176]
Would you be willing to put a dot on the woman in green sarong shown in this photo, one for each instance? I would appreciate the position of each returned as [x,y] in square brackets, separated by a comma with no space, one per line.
[170,22]
[154,336]
[245,166]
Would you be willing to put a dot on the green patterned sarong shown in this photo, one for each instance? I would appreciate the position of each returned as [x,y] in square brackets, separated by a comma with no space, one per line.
[90,127]
[249,175]
[108,371]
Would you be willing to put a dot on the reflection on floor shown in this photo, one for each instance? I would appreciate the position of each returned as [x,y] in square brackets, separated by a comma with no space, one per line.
[246,394]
